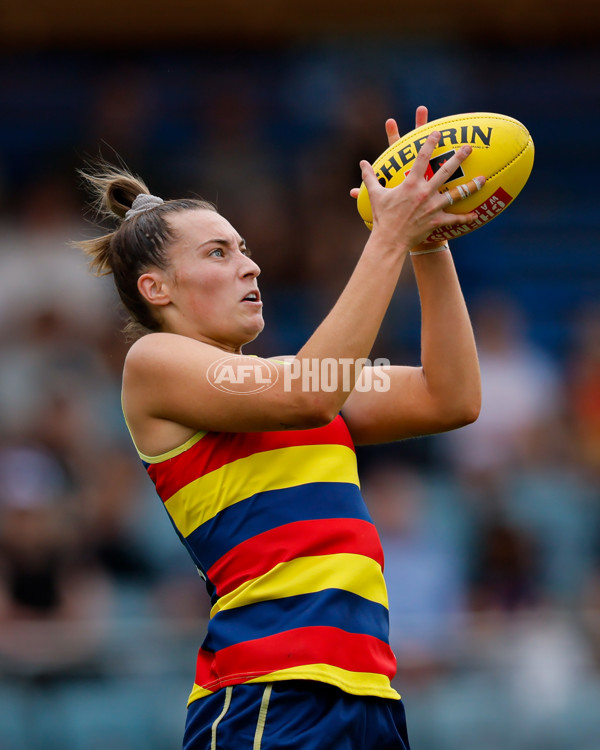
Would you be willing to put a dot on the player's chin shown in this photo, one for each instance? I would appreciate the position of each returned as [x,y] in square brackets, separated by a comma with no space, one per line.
[254,327]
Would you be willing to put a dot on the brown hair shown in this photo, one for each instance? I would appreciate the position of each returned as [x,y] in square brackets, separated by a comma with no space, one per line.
[137,243]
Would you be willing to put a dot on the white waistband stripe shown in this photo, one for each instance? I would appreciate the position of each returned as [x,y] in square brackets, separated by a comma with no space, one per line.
[262,717]
[228,692]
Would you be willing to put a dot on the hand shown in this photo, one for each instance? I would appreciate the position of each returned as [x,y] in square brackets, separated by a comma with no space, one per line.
[406,215]
[432,208]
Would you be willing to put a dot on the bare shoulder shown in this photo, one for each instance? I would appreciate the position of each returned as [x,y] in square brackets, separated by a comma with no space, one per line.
[171,379]
[161,365]
[161,355]
[155,347]
[156,382]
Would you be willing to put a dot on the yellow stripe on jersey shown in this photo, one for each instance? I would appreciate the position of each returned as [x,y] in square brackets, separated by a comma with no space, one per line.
[277,469]
[305,575]
[199,692]
[356,683]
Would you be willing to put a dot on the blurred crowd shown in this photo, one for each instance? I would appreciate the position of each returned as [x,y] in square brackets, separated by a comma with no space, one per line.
[491,534]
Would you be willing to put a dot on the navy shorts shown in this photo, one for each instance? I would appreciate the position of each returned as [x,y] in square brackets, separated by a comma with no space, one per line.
[294,715]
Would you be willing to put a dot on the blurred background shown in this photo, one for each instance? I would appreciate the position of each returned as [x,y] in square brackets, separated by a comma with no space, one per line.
[491,534]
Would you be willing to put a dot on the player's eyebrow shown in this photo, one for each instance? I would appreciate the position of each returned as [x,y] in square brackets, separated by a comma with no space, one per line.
[223,241]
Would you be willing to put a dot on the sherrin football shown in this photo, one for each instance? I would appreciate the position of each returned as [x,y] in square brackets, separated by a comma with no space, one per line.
[502,151]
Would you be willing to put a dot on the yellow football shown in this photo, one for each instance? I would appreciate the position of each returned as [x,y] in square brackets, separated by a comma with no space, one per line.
[502,151]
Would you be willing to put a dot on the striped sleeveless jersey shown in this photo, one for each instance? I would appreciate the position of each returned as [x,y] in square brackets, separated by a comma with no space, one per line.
[277,527]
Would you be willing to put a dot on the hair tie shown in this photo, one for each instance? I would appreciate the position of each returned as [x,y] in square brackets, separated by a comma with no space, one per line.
[142,203]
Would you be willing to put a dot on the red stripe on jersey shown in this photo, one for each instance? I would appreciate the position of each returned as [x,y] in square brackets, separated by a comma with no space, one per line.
[261,553]
[216,449]
[353,652]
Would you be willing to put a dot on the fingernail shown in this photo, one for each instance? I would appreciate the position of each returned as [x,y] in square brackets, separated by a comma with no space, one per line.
[466,150]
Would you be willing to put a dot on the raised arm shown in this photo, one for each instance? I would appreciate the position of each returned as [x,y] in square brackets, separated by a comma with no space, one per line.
[445,392]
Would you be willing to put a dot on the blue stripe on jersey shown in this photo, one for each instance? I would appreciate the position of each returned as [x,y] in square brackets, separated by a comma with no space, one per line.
[268,510]
[332,607]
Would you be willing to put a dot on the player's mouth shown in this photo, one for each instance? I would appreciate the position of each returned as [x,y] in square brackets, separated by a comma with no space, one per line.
[253,298]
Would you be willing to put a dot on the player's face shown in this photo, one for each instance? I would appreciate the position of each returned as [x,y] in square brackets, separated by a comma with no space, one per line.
[214,290]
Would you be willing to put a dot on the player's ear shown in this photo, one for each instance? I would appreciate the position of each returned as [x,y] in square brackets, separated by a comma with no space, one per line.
[154,288]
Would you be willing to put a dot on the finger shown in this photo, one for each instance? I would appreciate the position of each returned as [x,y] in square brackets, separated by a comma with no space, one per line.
[454,219]
[421,116]
[354,192]
[448,168]
[392,132]
[423,157]
[369,177]
[460,192]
